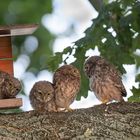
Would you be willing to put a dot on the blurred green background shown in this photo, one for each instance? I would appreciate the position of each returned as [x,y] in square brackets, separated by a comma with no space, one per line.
[28,12]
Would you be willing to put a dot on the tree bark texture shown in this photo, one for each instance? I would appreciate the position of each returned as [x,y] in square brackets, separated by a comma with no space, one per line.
[116,121]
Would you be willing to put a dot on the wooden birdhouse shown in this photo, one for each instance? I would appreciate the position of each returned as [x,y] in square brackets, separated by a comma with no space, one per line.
[6,57]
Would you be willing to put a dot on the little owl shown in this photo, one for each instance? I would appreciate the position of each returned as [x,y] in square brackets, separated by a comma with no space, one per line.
[42,96]
[105,80]
[9,86]
[66,82]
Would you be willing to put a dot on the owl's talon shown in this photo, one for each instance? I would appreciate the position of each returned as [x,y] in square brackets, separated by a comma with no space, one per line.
[104,101]
[70,109]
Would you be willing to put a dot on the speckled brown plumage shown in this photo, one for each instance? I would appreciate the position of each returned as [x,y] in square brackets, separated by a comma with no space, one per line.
[9,86]
[105,79]
[66,82]
[42,96]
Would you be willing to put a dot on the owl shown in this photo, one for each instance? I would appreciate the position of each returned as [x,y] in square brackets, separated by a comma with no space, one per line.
[66,81]
[42,96]
[9,86]
[105,81]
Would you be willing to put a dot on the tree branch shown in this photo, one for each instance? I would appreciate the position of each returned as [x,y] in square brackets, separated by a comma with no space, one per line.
[113,121]
[97,4]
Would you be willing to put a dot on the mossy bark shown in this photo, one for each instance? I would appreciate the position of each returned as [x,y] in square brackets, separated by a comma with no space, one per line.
[116,121]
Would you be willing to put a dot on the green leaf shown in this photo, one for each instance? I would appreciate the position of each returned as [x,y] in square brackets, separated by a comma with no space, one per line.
[136,42]
[137,78]
[79,54]
[54,61]
[67,50]
[136,95]
[137,60]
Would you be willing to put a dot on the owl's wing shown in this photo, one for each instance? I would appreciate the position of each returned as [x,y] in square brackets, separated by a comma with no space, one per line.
[116,78]
[64,84]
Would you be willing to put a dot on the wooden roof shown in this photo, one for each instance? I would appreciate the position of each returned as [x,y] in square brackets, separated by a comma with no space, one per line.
[14,30]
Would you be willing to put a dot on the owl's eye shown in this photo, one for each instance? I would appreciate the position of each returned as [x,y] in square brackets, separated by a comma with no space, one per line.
[86,67]
[48,93]
[10,84]
[39,92]
[75,70]
[16,89]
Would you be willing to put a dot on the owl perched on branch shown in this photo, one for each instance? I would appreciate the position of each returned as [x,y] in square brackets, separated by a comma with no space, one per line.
[9,86]
[66,82]
[105,80]
[42,96]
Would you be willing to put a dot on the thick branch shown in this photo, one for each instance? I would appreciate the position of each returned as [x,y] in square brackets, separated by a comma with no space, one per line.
[113,121]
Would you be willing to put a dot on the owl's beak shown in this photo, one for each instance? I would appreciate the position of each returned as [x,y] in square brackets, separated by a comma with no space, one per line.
[45,99]
[1,81]
[85,71]
[12,90]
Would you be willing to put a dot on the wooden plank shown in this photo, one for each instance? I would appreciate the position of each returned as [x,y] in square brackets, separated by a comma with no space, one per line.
[5,47]
[7,66]
[10,103]
[6,53]
[14,30]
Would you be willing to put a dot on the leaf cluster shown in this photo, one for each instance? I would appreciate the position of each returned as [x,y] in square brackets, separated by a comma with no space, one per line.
[116,34]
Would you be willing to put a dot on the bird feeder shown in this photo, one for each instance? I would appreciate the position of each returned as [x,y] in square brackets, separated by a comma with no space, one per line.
[6,57]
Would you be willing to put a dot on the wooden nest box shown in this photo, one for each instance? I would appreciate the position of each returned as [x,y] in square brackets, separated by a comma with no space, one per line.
[6,57]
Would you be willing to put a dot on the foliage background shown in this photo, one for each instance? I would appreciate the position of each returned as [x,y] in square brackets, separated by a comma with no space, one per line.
[115,32]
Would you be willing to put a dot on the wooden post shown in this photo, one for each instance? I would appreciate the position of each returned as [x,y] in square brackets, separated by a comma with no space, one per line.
[6,57]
